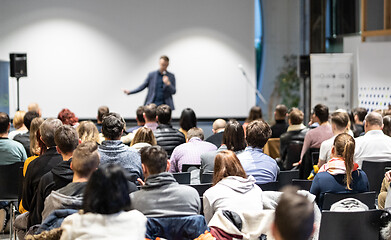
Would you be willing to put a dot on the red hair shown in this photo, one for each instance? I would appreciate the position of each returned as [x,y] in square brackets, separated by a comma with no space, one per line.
[67,117]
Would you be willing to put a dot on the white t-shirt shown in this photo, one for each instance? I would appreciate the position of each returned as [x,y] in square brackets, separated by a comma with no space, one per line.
[325,149]
[373,146]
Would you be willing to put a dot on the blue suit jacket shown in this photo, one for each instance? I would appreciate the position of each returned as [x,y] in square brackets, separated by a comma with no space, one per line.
[150,82]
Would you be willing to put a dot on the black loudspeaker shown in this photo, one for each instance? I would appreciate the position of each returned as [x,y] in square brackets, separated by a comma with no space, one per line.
[18,65]
[305,68]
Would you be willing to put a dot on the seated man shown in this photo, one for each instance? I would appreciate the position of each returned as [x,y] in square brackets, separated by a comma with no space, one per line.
[374,145]
[295,132]
[102,111]
[149,115]
[161,195]
[190,152]
[339,124]
[84,162]
[139,119]
[218,130]
[66,139]
[281,126]
[166,136]
[262,167]
[294,217]
[359,116]
[113,151]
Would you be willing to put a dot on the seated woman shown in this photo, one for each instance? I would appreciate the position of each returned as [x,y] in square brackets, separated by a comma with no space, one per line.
[104,214]
[232,189]
[88,132]
[143,138]
[187,120]
[340,174]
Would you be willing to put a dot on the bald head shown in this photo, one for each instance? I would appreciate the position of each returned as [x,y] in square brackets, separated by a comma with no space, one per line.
[373,121]
[218,125]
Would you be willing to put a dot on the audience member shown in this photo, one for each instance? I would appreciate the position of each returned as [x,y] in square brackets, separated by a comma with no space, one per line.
[105,205]
[10,150]
[187,120]
[294,217]
[143,138]
[387,125]
[281,126]
[88,132]
[190,152]
[139,119]
[166,136]
[315,137]
[254,114]
[173,199]
[232,189]
[385,186]
[233,139]
[66,140]
[359,116]
[43,164]
[149,115]
[340,174]
[18,124]
[24,138]
[113,151]
[262,167]
[374,145]
[339,124]
[34,107]
[67,117]
[295,132]
[218,130]
[85,161]
[102,111]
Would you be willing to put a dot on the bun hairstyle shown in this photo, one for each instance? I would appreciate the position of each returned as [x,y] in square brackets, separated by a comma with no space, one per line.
[344,145]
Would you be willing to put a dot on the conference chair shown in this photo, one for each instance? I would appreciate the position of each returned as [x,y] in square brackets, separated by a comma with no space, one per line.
[285,177]
[270,186]
[362,225]
[368,198]
[302,184]
[182,177]
[308,162]
[207,178]
[201,188]
[272,148]
[9,188]
[190,167]
[375,173]
[293,154]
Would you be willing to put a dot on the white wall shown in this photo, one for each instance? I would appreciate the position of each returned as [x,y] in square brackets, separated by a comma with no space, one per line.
[81,53]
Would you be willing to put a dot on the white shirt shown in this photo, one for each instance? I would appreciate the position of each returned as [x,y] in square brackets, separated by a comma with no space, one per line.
[373,146]
[325,149]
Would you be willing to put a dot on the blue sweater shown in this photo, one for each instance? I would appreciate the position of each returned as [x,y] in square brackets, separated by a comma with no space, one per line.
[324,182]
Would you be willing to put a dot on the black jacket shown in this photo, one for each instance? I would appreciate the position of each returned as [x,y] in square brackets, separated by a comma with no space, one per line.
[288,137]
[216,139]
[36,169]
[24,139]
[60,176]
[168,138]
[279,128]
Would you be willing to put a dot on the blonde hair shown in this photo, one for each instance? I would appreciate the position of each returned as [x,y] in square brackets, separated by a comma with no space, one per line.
[145,135]
[18,119]
[344,145]
[88,132]
[35,124]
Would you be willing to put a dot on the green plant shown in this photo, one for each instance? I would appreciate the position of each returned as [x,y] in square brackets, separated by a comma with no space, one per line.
[288,82]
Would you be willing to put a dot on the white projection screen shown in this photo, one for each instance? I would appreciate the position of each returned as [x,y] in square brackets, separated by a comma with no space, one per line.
[82,53]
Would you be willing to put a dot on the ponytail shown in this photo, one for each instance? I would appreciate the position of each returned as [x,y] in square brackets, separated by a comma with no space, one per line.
[348,154]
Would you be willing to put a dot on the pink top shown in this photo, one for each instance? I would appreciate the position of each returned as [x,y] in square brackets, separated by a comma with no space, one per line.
[315,137]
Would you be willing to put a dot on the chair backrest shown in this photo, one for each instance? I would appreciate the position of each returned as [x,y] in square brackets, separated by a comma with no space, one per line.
[293,153]
[182,177]
[190,167]
[272,148]
[270,186]
[361,225]
[20,183]
[207,178]
[307,163]
[302,184]
[285,177]
[368,198]
[176,228]
[201,188]
[375,173]
[9,181]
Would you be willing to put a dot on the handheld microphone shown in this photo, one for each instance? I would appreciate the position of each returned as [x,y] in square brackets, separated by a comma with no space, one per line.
[164,73]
